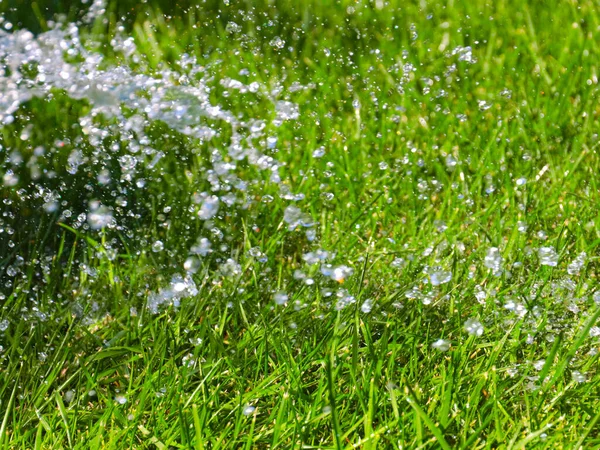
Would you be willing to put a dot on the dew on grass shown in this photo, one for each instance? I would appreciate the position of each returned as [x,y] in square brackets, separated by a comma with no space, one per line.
[121,399]
[158,246]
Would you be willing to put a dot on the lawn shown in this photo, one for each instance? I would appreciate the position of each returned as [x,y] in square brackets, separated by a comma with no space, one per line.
[299,224]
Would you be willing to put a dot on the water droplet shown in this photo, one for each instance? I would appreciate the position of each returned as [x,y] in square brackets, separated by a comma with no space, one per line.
[158,246]
[280,298]
[493,260]
[548,256]
[474,327]
[440,277]
[367,306]
[248,410]
[442,345]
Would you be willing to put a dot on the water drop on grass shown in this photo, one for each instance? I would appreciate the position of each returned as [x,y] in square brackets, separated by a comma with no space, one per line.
[548,256]
[248,410]
[280,298]
[69,395]
[209,208]
[578,377]
[442,345]
[474,327]
[493,260]
[367,306]
[575,267]
[440,277]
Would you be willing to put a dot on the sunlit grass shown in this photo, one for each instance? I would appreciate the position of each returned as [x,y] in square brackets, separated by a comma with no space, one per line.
[428,155]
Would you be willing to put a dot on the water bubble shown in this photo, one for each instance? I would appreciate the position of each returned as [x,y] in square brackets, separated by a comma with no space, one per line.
[480,295]
[451,162]
[483,105]
[121,399]
[464,54]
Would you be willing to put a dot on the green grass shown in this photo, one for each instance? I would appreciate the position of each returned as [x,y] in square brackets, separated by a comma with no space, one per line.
[318,377]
